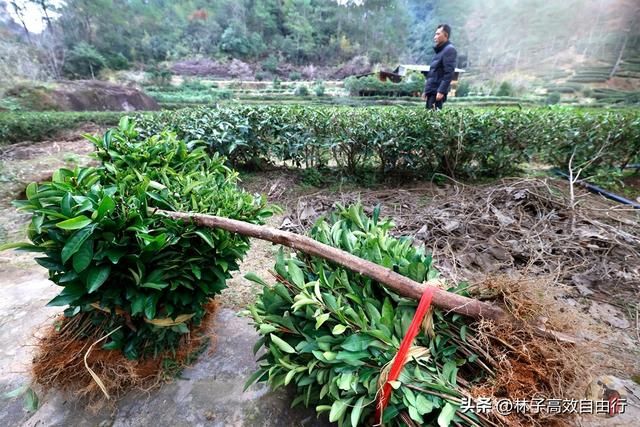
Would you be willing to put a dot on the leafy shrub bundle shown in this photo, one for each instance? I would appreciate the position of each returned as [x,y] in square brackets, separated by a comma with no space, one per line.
[333,333]
[125,266]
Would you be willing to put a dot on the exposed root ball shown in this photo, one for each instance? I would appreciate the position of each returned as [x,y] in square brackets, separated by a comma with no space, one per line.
[59,361]
[527,366]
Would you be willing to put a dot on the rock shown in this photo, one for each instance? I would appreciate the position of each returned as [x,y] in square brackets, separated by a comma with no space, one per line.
[608,314]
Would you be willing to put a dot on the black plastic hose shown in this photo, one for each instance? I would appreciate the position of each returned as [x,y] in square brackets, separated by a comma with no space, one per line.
[598,190]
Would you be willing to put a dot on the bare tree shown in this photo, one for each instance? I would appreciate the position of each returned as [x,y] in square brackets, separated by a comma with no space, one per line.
[20,14]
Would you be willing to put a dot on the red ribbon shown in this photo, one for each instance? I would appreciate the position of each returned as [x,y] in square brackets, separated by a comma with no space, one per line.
[400,359]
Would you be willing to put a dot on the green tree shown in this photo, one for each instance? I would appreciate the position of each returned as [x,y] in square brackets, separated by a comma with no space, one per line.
[84,61]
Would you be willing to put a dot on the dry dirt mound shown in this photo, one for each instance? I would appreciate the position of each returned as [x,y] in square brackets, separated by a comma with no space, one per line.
[83,95]
[209,67]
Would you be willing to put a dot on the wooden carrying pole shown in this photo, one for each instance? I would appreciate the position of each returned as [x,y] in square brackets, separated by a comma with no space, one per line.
[400,284]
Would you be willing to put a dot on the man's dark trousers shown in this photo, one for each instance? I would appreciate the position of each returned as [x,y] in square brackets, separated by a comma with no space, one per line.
[432,104]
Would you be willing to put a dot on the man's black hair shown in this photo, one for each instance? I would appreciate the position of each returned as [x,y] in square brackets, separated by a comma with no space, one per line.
[446,28]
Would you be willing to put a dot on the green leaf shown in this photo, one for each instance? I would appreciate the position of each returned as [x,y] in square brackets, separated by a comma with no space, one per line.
[446,415]
[266,328]
[413,413]
[423,405]
[71,293]
[21,246]
[156,286]
[321,319]
[17,392]
[31,401]
[357,342]
[137,306]
[107,205]
[150,307]
[344,383]
[338,329]
[50,264]
[253,277]
[463,333]
[31,190]
[75,242]
[282,344]
[296,274]
[417,271]
[450,371]
[206,236]
[83,257]
[74,223]
[255,377]
[338,409]
[97,276]
[357,410]
[289,377]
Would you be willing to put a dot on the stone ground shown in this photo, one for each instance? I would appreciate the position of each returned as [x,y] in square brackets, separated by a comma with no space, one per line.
[209,393]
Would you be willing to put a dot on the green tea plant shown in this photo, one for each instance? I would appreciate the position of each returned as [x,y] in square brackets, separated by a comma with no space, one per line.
[36,126]
[121,264]
[463,143]
[332,333]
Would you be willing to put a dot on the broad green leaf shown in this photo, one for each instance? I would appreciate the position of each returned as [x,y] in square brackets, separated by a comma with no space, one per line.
[282,344]
[357,342]
[415,415]
[206,236]
[338,409]
[265,328]
[338,329]
[97,276]
[75,242]
[357,411]
[76,223]
[71,293]
[296,274]
[321,319]
[83,257]
[253,277]
[31,190]
[31,401]
[137,306]
[150,308]
[446,415]
[423,405]
[255,377]
[449,371]
[107,205]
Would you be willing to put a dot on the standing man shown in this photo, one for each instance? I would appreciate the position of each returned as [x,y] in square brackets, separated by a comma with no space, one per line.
[443,65]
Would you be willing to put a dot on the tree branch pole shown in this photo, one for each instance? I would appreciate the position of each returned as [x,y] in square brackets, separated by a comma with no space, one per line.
[400,284]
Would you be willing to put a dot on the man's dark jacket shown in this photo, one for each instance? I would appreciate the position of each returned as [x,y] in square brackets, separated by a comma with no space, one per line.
[441,70]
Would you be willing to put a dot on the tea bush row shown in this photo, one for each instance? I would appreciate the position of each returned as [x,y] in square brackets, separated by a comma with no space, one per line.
[468,143]
[37,126]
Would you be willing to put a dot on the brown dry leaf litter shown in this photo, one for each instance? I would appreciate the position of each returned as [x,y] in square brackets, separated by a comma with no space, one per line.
[513,226]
